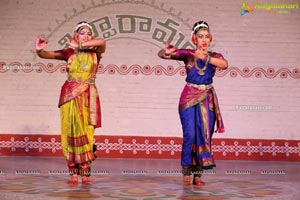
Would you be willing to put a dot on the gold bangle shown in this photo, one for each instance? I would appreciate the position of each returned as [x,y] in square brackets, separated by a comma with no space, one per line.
[80,46]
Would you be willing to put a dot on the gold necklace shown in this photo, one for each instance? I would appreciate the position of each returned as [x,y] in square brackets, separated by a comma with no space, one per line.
[201,71]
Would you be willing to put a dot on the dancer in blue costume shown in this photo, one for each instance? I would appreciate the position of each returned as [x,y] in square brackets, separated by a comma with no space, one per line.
[198,106]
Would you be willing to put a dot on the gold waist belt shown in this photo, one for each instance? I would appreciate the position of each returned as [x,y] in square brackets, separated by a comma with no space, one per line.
[89,81]
[201,86]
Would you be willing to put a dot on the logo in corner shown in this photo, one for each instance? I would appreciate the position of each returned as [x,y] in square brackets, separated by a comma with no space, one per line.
[246,9]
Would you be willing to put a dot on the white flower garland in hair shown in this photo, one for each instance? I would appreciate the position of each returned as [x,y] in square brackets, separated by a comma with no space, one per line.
[81,25]
[200,25]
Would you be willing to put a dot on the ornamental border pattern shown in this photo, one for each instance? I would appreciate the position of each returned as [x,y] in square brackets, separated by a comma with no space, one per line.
[154,147]
[112,69]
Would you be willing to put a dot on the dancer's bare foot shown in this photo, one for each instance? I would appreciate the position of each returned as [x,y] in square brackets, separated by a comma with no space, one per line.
[86,180]
[197,181]
[73,180]
[187,180]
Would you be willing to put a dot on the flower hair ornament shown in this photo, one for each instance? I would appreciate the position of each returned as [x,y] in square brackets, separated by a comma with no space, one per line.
[202,24]
[82,24]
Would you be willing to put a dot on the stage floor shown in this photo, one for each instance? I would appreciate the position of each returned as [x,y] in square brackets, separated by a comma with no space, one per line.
[146,179]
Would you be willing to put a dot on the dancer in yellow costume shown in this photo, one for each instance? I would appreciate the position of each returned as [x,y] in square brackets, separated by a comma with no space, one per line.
[79,100]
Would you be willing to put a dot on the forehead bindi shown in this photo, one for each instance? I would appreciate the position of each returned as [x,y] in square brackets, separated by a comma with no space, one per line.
[85,31]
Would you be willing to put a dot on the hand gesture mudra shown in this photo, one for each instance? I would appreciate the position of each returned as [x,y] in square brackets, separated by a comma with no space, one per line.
[72,44]
[40,43]
[200,54]
[169,48]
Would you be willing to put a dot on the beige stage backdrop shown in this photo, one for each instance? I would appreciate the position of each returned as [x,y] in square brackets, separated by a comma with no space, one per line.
[258,93]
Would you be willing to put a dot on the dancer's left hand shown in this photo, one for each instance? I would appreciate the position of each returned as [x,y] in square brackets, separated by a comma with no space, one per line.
[200,54]
[72,44]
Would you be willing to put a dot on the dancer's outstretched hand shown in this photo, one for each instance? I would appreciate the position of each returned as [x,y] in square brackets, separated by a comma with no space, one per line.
[40,43]
[169,48]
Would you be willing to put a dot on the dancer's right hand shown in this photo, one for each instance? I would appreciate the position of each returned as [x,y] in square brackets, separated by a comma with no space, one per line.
[40,43]
[169,48]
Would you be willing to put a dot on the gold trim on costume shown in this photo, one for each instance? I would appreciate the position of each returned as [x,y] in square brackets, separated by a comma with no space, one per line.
[79,80]
[208,162]
[204,114]
[93,93]
[80,158]
[78,141]
[201,86]
[196,100]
